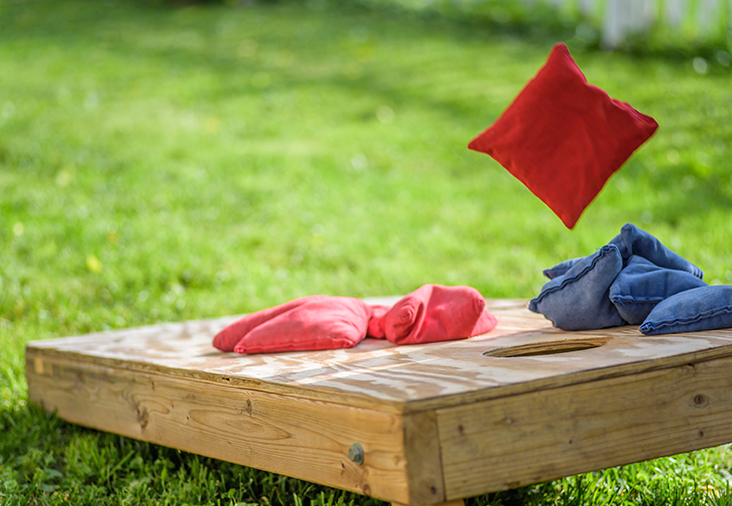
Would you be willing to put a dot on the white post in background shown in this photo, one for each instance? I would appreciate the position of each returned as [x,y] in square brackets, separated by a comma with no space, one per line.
[675,12]
[611,26]
[642,15]
[616,23]
[706,16]
[623,17]
[586,7]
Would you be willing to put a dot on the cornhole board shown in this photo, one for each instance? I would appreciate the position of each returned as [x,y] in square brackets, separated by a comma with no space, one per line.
[417,425]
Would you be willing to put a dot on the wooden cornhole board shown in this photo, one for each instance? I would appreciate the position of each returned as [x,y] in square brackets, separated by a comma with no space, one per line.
[436,423]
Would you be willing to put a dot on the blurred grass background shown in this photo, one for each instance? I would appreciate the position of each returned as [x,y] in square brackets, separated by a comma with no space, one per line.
[168,162]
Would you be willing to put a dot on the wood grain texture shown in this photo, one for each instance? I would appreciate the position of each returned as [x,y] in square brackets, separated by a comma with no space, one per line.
[513,441]
[377,374]
[303,438]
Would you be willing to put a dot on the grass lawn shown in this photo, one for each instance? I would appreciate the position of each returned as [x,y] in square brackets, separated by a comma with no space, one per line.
[164,164]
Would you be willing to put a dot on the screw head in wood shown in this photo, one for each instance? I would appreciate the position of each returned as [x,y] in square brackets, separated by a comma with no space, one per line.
[355,453]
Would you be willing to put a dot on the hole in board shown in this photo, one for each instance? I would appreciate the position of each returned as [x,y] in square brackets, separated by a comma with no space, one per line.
[548,347]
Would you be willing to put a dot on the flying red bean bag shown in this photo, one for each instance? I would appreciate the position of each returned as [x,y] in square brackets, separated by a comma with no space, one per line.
[563,138]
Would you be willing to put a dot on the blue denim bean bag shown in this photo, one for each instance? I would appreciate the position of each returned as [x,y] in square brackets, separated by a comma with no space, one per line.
[578,299]
[634,241]
[561,268]
[642,284]
[649,273]
[695,310]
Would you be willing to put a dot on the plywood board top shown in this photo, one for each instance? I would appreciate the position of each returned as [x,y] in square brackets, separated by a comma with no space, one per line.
[406,378]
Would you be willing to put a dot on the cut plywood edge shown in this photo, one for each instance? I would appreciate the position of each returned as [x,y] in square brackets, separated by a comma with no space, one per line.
[376,374]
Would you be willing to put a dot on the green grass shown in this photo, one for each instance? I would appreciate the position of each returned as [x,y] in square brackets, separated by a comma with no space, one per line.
[164,164]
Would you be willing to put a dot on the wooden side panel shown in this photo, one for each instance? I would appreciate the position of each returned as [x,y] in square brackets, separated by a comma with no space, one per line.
[513,441]
[304,438]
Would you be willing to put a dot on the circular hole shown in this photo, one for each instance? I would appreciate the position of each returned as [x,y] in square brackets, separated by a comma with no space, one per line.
[548,347]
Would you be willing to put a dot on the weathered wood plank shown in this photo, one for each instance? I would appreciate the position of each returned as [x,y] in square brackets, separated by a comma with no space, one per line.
[303,438]
[531,438]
